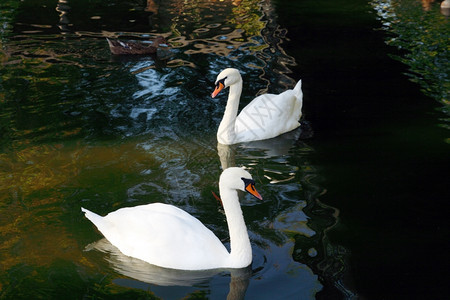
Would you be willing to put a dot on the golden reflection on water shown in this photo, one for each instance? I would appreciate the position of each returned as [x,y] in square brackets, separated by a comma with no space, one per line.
[32,197]
[232,26]
[36,237]
[36,167]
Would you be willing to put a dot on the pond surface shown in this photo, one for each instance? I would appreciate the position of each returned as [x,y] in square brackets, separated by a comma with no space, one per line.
[352,200]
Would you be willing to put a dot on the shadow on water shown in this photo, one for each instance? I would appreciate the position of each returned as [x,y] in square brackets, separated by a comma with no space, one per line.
[380,143]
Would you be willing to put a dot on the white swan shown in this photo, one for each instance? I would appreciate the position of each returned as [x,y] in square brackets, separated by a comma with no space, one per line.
[169,237]
[265,117]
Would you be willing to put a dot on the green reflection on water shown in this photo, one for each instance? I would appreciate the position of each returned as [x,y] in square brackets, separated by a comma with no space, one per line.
[422,32]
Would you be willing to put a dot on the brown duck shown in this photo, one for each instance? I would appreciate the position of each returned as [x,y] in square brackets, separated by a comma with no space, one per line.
[119,47]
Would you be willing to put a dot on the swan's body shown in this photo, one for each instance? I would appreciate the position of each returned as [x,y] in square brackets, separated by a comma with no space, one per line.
[167,236]
[265,117]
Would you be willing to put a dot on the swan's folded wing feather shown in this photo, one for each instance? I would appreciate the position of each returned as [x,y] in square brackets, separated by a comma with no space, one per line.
[268,116]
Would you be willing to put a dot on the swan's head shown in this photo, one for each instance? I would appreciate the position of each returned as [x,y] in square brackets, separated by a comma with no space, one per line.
[239,179]
[226,78]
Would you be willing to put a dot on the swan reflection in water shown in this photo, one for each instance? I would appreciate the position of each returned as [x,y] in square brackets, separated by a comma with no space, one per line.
[147,273]
[274,147]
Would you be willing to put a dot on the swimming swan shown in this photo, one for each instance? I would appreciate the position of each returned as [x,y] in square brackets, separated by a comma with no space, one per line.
[267,116]
[169,237]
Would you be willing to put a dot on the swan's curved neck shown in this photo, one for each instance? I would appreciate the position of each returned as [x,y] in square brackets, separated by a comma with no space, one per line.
[241,249]
[226,132]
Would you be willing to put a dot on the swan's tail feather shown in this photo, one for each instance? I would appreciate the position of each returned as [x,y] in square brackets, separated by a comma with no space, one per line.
[298,89]
[299,103]
[93,217]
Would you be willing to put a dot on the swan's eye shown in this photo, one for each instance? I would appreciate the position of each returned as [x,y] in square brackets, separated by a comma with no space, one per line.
[222,81]
[248,182]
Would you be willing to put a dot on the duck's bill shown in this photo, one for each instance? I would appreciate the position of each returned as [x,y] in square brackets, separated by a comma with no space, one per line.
[250,188]
[217,90]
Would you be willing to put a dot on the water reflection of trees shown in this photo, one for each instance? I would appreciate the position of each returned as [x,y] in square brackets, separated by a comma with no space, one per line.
[420,31]
[237,30]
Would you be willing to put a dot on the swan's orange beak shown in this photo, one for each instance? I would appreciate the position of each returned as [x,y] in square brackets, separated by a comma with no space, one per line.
[251,189]
[218,88]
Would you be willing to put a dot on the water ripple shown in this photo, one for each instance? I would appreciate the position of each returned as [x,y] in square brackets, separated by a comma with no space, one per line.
[135,130]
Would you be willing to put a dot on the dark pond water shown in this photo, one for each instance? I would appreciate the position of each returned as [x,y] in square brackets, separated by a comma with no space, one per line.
[354,202]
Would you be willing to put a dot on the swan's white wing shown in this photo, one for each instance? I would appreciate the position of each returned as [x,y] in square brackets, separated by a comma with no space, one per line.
[163,235]
[269,115]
